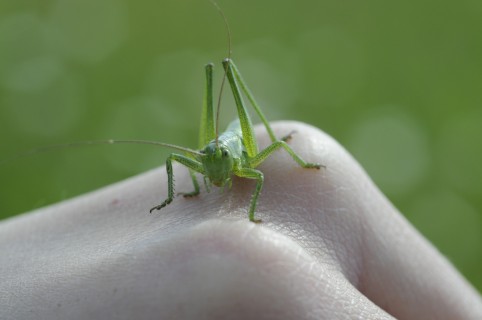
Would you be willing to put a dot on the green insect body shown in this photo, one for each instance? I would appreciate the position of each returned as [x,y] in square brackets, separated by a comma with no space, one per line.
[234,152]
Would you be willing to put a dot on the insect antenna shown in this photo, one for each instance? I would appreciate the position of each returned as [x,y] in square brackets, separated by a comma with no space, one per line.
[96,142]
[228,31]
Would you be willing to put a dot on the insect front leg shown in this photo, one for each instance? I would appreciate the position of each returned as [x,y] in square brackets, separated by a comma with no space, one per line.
[252,174]
[194,183]
[260,157]
[186,161]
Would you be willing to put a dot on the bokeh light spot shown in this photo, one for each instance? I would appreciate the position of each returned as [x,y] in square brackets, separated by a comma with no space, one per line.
[90,29]
[452,223]
[34,75]
[393,149]
[38,113]
[27,57]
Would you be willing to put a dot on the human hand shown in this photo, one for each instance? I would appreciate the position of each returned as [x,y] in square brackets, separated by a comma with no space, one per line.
[331,246]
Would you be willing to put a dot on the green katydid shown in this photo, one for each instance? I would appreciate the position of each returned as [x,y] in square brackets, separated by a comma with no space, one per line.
[234,152]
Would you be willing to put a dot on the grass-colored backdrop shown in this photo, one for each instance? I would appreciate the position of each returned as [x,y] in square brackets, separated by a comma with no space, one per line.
[398,83]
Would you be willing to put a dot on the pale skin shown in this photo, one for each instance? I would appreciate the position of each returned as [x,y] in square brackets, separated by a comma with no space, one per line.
[331,246]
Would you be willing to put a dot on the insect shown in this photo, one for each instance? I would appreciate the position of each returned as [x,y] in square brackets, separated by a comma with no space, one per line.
[219,157]
[235,151]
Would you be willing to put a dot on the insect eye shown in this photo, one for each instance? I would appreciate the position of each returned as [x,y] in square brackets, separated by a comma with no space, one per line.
[225,153]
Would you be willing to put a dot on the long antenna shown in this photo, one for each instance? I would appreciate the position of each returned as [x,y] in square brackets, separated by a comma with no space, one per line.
[89,143]
[228,31]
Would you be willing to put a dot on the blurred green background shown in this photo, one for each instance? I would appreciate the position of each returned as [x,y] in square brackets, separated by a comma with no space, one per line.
[398,83]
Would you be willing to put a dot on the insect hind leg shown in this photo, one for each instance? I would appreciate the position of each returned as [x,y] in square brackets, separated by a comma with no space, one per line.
[260,157]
